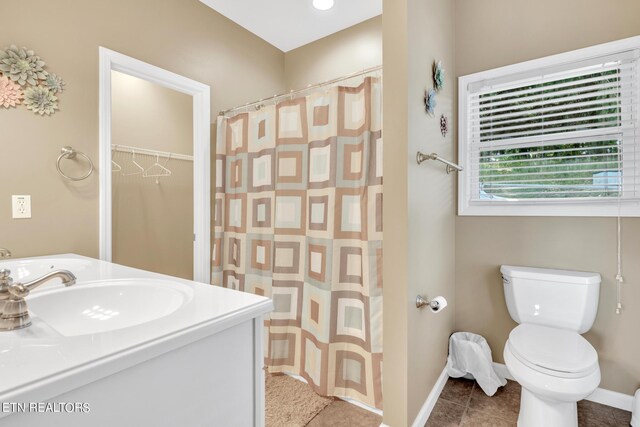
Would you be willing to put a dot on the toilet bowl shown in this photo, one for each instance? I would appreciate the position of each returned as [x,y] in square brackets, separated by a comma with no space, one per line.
[556,368]
[546,353]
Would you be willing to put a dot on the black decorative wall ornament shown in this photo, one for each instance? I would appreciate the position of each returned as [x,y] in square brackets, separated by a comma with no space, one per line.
[444,125]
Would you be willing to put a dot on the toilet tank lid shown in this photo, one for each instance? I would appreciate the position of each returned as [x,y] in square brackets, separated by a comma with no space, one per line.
[551,275]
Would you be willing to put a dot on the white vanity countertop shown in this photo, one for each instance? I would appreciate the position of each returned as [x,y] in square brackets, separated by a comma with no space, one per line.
[38,363]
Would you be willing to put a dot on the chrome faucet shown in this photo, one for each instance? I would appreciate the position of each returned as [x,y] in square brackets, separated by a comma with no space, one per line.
[5,253]
[14,313]
[5,282]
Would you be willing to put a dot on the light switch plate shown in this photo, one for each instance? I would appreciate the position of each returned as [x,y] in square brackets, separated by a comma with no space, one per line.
[21,206]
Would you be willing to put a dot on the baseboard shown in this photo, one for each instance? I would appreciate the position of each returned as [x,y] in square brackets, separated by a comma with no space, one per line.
[427,406]
[601,395]
[361,405]
[612,398]
[296,377]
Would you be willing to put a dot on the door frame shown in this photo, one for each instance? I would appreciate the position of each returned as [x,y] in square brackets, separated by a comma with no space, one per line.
[114,61]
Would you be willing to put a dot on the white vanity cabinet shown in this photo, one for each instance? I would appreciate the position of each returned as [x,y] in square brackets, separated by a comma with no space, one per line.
[201,365]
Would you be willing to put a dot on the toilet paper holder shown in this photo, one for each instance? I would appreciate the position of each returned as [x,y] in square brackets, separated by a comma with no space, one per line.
[436,304]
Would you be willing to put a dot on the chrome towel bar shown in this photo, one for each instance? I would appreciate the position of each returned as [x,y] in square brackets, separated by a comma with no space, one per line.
[451,167]
[69,153]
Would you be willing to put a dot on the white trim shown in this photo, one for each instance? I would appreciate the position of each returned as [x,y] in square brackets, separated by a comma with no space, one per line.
[296,377]
[543,209]
[111,60]
[427,406]
[612,398]
[558,59]
[627,209]
[361,405]
[601,395]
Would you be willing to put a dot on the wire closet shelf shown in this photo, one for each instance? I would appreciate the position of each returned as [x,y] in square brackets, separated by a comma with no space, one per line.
[149,152]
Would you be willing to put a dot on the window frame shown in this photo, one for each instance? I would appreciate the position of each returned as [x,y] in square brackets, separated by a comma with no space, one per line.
[552,207]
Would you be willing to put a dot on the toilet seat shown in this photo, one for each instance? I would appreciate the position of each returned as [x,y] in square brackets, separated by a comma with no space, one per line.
[552,351]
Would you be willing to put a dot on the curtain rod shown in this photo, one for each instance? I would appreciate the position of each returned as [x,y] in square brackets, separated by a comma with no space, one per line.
[296,92]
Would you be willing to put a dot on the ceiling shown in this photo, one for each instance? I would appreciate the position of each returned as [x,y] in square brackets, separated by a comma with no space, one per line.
[288,24]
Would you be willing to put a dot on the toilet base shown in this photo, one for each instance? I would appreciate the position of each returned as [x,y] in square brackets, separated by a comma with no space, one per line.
[535,412]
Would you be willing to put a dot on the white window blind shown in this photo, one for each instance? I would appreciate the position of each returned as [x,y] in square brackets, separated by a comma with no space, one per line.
[553,134]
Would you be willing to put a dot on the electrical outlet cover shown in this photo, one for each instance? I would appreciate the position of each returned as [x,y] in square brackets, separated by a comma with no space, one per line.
[21,206]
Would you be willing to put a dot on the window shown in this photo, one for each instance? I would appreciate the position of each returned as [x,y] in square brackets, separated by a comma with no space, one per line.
[554,136]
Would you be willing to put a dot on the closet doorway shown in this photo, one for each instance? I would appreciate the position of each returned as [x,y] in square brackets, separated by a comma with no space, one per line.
[154,174]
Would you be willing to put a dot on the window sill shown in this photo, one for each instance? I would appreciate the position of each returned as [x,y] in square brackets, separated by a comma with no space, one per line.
[626,209]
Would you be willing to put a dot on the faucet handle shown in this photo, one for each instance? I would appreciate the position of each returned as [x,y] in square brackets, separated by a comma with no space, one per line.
[18,291]
[5,278]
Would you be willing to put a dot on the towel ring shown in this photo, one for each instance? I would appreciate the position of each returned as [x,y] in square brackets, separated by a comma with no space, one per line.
[68,152]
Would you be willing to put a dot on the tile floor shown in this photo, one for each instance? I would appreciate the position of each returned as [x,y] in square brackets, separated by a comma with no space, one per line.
[463,403]
[343,414]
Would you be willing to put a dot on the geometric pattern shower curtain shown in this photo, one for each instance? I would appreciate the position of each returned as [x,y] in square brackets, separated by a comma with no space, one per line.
[298,218]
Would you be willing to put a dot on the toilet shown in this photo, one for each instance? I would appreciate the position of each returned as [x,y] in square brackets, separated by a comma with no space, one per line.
[546,353]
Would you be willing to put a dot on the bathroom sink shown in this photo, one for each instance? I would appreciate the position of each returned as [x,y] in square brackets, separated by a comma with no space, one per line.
[103,306]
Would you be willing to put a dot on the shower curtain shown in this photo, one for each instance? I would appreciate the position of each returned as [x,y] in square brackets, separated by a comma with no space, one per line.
[298,218]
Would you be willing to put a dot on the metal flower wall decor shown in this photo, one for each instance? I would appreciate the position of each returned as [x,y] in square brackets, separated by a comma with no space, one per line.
[24,80]
[438,84]
[438,75]
[430,101]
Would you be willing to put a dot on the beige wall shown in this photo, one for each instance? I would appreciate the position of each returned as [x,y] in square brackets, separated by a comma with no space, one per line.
[493,33]
[395,213]
[152,221]
[345,52]
[183,36]
[147,115]
[419,204]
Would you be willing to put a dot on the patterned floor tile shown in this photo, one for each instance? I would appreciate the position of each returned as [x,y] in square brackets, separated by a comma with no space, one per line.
[463,404]
[505,404]
[473,418]
[592,414]
[445,414]
[623,418]
[458,390]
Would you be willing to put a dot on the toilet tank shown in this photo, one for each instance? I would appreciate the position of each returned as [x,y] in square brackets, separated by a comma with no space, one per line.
[557,298]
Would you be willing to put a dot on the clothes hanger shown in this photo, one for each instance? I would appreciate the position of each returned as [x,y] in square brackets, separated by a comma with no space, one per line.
[157,170]
[114,166]
[133,160]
